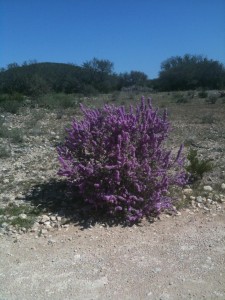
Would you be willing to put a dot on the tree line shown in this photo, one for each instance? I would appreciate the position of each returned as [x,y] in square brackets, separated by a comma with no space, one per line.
[98,76]
[94,76]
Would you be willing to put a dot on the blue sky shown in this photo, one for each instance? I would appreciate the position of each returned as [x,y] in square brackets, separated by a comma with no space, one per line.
[134,35]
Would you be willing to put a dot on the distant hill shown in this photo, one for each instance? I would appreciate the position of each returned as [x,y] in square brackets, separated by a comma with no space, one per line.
[40,78]
[95,76]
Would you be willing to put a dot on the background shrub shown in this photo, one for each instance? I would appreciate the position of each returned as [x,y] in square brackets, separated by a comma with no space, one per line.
[197,167]
[116,159]
[57,101]
[202,94]
[212,99]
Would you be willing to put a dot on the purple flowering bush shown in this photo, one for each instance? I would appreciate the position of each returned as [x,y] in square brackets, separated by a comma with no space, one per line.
[117,160]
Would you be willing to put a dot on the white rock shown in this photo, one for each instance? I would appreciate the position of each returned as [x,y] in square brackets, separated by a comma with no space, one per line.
[65,226]
[199,199]
[44,219]
[47,223]
[192,198]
[23,216]
[209,201]
[207,188]
[44,231]
[6,180]
[4,225]
[19,196]
[187,192]
[223,186]
[193,203]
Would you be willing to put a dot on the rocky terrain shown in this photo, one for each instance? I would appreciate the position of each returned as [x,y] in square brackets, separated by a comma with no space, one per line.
[49,250]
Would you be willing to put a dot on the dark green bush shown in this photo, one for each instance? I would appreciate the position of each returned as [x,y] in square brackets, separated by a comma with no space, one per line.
[182,100]
[203,94]
[211,99]
[208,119]
[197,167]
[11,102]
[54,101]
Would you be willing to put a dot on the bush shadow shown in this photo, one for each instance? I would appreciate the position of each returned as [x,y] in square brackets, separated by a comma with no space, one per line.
[53,197]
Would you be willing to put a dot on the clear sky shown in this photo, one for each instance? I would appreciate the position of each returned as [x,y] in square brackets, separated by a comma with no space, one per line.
[133,34]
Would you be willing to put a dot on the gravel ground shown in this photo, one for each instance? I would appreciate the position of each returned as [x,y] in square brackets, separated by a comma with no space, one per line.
[179,257]
[176,257]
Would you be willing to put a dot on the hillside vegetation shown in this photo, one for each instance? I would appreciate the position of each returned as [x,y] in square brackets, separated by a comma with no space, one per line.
[98,76]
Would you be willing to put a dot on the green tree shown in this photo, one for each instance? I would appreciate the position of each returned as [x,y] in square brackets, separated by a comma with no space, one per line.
[99,74]
[134,78]
[190,72]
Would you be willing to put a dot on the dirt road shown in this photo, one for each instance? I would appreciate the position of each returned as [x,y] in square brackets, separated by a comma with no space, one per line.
[181,257]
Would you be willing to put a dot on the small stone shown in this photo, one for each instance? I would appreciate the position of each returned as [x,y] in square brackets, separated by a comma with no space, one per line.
[53,218]
[209,201]
[199,199]
[51,242]
[65,226]
[20,196]
[207,188]
[44,219]
[59,218]
[210,195]
[206,208]
[187,192]
[193,203]
[47,223]
[23,216]
[44,231]
[4,225]
[216,197]
[6,180]
[223,186]
[192,198]
[222,198]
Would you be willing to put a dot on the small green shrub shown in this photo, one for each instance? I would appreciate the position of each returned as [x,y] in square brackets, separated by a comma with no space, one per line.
[3,131]
[15,135]
[203,94]
[182,100]
[11,102]
[54,101]
[11,106]
[197,167]
[208,119]
[211,99]
[14,211]
[4,152]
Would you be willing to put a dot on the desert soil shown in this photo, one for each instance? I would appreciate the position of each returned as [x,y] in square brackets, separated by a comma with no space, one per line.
[178,257]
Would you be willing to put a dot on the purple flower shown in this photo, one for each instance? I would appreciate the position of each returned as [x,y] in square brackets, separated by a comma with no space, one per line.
[117,160]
